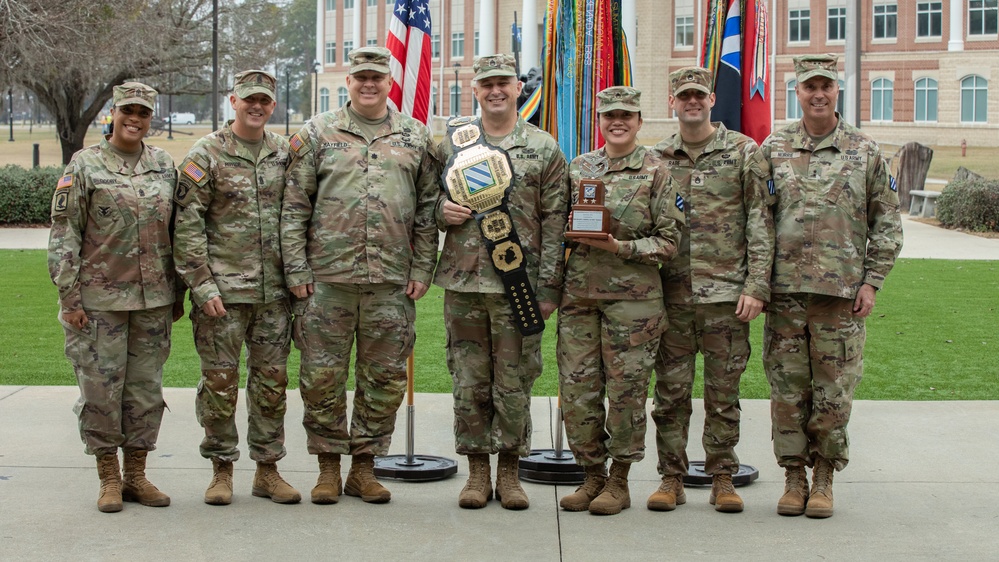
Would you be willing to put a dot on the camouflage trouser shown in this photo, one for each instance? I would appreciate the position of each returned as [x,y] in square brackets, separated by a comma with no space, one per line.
[266,330]
[607,347]
[493,369]
[813,352]
[381,317]
[723,340]
[118,359]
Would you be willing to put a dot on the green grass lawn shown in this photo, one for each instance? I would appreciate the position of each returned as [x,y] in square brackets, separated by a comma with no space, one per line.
[933,335]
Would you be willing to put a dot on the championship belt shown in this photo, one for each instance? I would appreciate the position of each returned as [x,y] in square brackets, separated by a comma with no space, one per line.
[479,176]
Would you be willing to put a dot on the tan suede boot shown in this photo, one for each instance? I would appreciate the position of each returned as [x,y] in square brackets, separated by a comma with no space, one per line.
[267,483]
[820,501]
[615,495]
[795,491]
[219,492]
[329,486]
[508,489]
[135,487]
[669,495]
[109,500]
[361,481]
[479,488]
[723,495]
[593,484]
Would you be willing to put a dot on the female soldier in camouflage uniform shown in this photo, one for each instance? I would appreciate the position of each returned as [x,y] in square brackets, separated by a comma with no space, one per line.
[612,312]
[111,258]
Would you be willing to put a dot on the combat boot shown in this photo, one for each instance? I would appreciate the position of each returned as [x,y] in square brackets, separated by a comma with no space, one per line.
[328,486]
[820,501]
[109,501]
[479,488]
[795,491]
[593,484]
[267,483]
[361,481]
[219,492]
[615,495]
[135,487]
[723,495]
[669,495]
[508,489]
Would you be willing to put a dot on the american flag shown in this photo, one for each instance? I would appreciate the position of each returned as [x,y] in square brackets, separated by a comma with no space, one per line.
[409,42]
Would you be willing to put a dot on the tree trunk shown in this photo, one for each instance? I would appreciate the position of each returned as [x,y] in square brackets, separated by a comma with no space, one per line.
[913,164]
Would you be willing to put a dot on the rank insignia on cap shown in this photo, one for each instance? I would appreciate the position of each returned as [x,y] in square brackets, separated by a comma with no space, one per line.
[892,183]
[679,202]
[771,187]
[65,181]
[296,142]
[194,172]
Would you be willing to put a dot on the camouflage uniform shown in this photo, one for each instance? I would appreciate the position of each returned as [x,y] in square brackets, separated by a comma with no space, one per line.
[110,255]
[838,227]
[357,221]
[726,251]
[612,315]
[227,245]
[492,365]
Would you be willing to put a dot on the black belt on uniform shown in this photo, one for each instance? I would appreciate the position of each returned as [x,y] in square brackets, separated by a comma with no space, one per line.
[479,176]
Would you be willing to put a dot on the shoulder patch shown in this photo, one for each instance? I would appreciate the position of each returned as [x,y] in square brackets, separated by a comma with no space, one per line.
[65,182]
[60,202]
[296,143]
[771,187]
[193,171]
[679,202]
[892,184]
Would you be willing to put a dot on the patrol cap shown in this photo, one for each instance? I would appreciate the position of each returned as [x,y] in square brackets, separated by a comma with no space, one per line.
[494,65]
[690,78]
[807,67]
[619,97]
[134,92]
[250,82]
[369,58]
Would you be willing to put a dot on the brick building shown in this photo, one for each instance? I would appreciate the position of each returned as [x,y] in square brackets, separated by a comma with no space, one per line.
[929,70]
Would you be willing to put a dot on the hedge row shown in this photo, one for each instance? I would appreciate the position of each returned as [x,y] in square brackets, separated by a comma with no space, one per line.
[971,204]
[25,195]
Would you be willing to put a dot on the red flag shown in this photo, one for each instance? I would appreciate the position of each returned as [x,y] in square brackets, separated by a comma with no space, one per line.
[756,121]
[409,42]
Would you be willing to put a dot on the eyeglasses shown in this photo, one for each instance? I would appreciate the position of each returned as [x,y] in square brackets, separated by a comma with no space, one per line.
[687,94]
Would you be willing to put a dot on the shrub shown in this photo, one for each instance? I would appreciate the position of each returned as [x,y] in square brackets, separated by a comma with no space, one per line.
[971,204]
[26,195]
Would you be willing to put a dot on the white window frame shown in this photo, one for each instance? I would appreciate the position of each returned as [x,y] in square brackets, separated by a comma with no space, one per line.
[331,52]
[926,86]
[801,17]
[683,29]
[324,99]
[986,10]
[886,88]
[840,18]
[930,10]
[888,12]
[979,86]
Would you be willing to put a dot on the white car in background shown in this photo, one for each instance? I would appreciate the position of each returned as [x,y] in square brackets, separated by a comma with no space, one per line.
[181,118]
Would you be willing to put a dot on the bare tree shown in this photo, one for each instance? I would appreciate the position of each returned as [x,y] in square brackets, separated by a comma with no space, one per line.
[72,67]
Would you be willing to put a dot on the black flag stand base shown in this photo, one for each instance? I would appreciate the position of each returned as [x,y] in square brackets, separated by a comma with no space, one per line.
[412,467]
[552,466]
[697,477]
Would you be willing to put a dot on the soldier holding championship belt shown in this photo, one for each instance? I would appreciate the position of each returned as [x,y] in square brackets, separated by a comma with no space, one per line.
[612,311]
[501,269]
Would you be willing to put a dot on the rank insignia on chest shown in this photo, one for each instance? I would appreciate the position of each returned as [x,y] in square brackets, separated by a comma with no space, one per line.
[697,179]
[194,172]
[679,202]
[892,183]
[65,181]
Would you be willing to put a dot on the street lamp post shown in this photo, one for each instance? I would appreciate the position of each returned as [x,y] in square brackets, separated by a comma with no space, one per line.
[315,80]
[10,112]
[287,97]
[456,98]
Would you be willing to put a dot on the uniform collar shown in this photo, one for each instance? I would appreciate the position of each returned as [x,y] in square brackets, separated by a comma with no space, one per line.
[674,145]
[147,162]
[633,161]
[801,140]
[234,148]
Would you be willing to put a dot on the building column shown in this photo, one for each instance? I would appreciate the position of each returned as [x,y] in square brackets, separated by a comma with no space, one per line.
[956,42]
[487,28]
[356,27]
[320,32]
[529,37]
[629,23]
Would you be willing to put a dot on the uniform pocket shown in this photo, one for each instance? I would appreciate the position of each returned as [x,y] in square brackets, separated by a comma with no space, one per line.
[653,327]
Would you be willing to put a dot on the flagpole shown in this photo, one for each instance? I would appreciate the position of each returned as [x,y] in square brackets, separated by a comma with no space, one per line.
[440,59]
[773,64]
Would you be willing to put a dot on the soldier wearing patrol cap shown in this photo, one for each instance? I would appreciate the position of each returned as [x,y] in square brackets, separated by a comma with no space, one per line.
[612,313]
[494,365]
[227,250]
[717,284]
[359,245]
[838,234]
[111,259]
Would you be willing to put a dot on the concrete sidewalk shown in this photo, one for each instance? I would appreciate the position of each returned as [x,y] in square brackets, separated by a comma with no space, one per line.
[921,241]
[922,485]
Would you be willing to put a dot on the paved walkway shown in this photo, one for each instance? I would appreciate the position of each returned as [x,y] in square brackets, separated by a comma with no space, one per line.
[921,241]
[923,485]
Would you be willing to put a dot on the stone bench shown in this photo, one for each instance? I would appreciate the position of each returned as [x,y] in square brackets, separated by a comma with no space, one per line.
[923,203]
